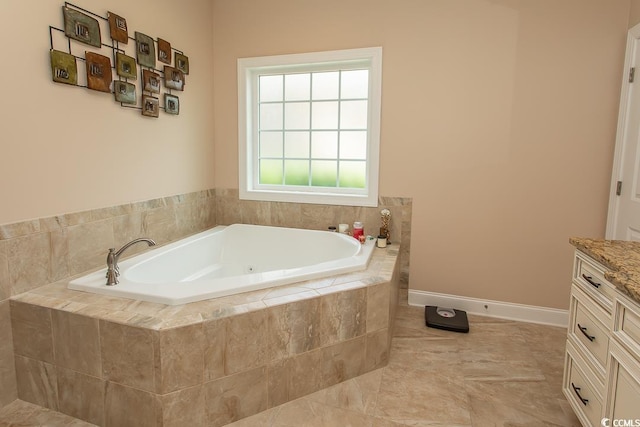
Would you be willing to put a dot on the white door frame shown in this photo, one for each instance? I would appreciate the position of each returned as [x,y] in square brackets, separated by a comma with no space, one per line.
[633,37]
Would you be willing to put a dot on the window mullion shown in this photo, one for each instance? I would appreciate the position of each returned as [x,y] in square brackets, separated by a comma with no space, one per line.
[253,153]
[339,126]
[310,127]
[284,135]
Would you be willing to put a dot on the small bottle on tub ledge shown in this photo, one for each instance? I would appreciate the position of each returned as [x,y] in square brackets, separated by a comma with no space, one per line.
[358,231]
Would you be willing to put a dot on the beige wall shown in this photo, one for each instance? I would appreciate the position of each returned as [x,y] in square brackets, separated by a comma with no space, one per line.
[66,149]
[498,120]
[634,13]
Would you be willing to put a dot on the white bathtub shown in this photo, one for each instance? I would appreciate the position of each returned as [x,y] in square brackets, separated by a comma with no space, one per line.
[227,260]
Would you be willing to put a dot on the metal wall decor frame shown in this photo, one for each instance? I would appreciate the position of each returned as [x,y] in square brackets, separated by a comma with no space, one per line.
[81,27]
[99,75]
[150,106]
[64,68]
[173,78]
[164,51]
[118,28]
[126,66]
[150,81]
[113,67]
[171,104]
[124,92]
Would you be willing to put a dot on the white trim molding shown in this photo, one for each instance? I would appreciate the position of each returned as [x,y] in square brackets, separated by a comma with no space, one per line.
[633,37]
[249,71]
[490,308]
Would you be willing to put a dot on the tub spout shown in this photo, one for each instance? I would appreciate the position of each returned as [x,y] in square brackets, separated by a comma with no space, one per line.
[112,259]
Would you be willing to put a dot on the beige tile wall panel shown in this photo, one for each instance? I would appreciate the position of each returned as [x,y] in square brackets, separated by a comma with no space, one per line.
[8,386]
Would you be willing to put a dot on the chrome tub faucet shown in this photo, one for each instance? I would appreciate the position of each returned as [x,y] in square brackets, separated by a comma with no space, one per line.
[112,259]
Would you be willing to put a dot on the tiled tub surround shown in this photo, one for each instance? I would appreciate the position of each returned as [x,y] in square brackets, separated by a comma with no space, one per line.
[118,362]
[37,252]
[41,251]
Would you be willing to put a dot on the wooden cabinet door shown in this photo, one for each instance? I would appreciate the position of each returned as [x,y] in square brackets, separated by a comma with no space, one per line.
[624,386]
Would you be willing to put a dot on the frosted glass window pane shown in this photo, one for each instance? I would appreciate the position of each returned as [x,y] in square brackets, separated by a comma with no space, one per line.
[296,145]
[297,87]
[353,145]
[296,172]
[271,172]
[271,88]
[324,145]
[355,84]
[270,144]
[270,116]
[353,115]
[324,173]
[324,115]
[296,115]
[325,85]
[352,174]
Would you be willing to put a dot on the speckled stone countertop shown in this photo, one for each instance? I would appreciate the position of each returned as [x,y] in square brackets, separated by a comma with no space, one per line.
[622,258]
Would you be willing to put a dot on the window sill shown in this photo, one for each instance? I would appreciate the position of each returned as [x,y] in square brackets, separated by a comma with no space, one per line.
[316,198]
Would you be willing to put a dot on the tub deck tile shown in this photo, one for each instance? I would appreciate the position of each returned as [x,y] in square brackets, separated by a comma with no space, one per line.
[286,299]
[101,313]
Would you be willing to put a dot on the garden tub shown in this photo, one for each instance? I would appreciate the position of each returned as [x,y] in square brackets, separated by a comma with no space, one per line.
[227,260]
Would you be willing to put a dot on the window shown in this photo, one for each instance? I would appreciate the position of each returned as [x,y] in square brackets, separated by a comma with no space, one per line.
[309,127]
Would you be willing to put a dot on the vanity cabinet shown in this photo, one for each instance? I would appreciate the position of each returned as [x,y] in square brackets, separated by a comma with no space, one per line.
[602,360]
[624,363]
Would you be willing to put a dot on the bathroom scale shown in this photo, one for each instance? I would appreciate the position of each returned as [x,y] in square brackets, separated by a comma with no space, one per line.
[448,319]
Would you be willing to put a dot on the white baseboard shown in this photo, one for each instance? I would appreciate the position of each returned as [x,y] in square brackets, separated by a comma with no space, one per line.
[499,309]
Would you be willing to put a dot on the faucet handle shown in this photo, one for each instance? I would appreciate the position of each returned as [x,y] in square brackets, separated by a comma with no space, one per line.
[112,277]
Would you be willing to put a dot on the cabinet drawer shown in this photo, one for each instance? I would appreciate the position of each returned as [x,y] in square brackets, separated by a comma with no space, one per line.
[580,392]
[590,276]
[592,334]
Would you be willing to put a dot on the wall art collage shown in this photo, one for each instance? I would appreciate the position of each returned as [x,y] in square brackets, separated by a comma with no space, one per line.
[135,76]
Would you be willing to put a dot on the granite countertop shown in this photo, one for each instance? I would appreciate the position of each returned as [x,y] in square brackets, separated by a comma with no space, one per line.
[622,258]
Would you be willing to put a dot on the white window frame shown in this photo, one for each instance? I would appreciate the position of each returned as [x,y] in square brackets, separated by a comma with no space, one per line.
[249,70]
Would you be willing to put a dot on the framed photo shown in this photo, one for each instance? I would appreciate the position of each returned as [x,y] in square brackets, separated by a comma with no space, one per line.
[118,28]
[150,106]
[124,92]
[164,51]
[171,104]
[126,66]
[173,78]
[99,74]
[145,50]
[150,81]
[81,27]
[64,68]
[182,63]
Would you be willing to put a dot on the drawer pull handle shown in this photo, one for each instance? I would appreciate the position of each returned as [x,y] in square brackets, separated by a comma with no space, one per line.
[584,332]
[590,280]
[576,390]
